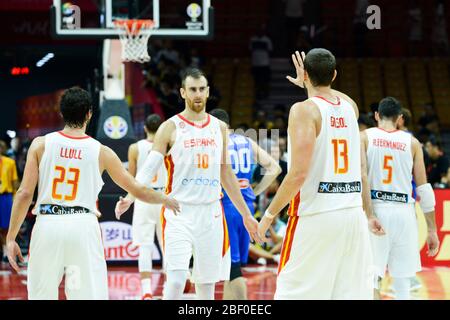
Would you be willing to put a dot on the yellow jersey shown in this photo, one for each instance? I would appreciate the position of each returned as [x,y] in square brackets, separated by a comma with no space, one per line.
[8,174]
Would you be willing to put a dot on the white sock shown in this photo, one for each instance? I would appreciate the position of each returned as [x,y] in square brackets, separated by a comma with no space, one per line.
[402,288]
[205,291]
[146,285]
[176,280]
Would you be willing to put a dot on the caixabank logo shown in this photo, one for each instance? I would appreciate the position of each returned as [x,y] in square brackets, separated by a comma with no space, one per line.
[389,196]
[339,187]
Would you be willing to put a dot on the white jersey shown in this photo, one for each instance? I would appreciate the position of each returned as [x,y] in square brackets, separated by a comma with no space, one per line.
[193,163]
[160,179]
[69,175]
[390,165]
[334,178]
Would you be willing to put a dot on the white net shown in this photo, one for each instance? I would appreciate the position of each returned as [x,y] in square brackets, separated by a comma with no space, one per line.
[134,40]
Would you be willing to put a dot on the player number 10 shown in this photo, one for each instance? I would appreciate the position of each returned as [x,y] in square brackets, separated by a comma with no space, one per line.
[202,161]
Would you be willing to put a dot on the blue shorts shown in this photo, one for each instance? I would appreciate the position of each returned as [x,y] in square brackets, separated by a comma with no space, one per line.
[239,237]
[6,201]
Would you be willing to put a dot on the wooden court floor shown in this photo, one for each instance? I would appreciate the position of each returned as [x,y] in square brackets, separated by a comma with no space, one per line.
[124,284]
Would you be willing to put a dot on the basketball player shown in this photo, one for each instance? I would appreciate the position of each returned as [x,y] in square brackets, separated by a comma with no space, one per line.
[326,252]
[394,157]
[146,217]
[66,238]
[197,163]
[243,152]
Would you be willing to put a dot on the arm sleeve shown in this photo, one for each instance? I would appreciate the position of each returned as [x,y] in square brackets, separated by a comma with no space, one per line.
[150,168]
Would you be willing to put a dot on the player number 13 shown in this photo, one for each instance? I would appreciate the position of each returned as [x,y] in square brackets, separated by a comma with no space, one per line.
[340,149]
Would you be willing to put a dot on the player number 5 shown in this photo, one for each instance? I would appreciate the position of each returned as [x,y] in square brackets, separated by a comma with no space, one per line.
[388,167]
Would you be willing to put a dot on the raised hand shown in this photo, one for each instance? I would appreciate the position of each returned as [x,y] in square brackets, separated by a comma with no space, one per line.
[298,59]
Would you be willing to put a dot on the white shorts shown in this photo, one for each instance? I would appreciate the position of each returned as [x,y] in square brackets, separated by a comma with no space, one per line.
[326,256]
[199,231]
[398,250]
[70,245]
[146,220]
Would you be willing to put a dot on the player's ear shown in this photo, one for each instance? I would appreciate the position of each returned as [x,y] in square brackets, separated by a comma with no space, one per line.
[207,92]
[377,116]
[334,76]
[183,93]
[399,119]
[89,115]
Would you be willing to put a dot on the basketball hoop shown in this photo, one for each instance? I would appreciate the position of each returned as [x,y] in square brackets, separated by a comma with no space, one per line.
[134,39]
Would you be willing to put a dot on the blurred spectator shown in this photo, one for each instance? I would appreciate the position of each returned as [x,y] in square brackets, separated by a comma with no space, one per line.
[415,28]
[18,153]
[437,162]
[169,98]
[242,126]
[303,41]
[280,111]
[360,27]
[294,21]
[196,61]
[283,148]
[445,181]
[9,183]
[261,47]
[439,35]
[168,52]
[261,121]
[275,151]
[429,120]
[280,124]
[405,121]
[214,95]
[365,122]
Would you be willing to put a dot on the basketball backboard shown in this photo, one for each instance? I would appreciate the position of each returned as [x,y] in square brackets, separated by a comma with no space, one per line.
[94,19]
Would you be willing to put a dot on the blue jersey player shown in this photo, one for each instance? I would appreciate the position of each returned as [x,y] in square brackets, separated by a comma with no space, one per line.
[244,154]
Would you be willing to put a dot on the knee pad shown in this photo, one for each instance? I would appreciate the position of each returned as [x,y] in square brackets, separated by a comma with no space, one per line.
[235,271]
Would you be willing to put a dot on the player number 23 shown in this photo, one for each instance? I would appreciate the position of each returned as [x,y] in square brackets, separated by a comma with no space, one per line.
[340,149]
[61,178]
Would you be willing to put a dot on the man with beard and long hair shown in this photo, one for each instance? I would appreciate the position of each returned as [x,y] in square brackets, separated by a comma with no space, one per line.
[194,147]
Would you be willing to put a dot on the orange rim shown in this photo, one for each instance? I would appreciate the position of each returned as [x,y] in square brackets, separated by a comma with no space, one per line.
[134,26]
